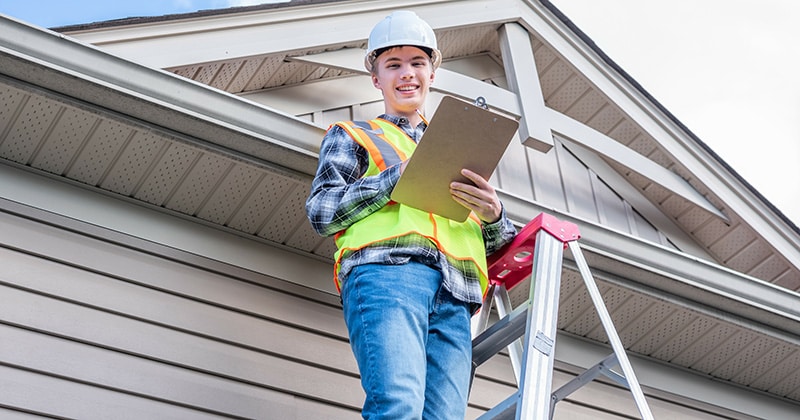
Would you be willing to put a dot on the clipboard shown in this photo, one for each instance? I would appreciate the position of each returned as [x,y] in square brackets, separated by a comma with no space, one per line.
[459,135]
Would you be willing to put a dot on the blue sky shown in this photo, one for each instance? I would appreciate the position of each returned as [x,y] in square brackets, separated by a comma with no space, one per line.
[735,89]
[54,13]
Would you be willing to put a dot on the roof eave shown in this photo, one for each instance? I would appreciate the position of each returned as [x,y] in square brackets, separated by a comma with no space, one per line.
[683,279]
[185,109]
[135,20]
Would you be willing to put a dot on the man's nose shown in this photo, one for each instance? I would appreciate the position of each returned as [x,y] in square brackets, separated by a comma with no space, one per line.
[408,72]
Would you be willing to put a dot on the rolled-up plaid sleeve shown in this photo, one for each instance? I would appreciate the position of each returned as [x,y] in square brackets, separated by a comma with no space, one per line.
[339,195]
[499,233]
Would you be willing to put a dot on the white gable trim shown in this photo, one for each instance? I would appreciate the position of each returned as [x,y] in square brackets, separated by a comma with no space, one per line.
[521,73]
[677,143]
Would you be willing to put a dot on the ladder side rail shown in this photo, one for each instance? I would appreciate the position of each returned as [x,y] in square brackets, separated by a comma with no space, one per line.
[540,333]
[611,332]
[479,322]
[515,349]
[616,377]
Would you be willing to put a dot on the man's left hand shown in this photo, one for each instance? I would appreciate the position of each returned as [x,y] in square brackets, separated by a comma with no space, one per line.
[481,197]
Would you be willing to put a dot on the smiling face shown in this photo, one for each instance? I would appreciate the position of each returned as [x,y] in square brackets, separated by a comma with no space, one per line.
[404,76]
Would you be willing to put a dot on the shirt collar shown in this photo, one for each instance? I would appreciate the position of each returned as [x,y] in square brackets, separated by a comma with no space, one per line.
[415,133]
[402,122]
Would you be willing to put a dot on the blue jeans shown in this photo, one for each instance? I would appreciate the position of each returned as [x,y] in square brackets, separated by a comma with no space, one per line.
[411,339]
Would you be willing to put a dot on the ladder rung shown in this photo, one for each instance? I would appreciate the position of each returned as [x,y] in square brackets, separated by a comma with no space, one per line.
[499,335]
[602,367]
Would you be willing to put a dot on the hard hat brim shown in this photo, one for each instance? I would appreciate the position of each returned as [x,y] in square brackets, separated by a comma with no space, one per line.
[371,56]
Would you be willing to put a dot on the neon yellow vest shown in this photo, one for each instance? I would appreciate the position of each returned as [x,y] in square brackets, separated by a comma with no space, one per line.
[387,145]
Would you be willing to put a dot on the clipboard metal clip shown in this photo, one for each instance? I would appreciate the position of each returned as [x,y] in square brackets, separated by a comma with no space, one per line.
[480,101]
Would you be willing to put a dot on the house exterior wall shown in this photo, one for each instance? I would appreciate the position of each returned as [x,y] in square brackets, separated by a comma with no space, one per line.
[97,323]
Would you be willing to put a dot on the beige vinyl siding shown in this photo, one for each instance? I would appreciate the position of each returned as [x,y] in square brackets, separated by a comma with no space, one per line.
[96,329]
[111,320]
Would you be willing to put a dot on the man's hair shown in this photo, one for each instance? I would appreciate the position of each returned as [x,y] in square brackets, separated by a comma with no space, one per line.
[379,51]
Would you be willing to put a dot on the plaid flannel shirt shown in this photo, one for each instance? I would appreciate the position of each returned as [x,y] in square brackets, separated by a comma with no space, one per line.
[340,196]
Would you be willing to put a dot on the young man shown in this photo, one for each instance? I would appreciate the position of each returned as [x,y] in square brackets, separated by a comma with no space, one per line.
[409,280]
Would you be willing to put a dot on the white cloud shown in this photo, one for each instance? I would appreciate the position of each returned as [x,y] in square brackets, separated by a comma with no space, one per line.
[725,68]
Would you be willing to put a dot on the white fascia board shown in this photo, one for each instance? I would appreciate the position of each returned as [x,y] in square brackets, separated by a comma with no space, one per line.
[74,72]
[222,37]
[219,24]
[183,42]
[677,143]
[520,67]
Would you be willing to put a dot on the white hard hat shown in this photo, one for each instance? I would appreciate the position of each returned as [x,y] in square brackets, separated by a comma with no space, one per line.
[400,28]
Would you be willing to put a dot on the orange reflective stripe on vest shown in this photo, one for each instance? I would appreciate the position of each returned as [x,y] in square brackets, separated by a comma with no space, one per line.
[370,136]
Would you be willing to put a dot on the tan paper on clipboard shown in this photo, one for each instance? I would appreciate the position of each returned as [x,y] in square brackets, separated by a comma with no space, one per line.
[459,135]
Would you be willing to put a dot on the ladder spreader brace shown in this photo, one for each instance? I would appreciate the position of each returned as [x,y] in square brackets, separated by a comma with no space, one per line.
[538,251]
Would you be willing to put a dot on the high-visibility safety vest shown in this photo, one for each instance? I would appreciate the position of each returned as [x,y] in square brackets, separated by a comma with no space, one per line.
[388,145]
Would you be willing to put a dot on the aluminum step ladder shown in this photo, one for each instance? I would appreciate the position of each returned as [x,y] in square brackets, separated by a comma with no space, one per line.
[529,331]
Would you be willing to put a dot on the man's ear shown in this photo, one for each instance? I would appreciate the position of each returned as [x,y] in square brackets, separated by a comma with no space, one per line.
[375,81]
[433,76]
